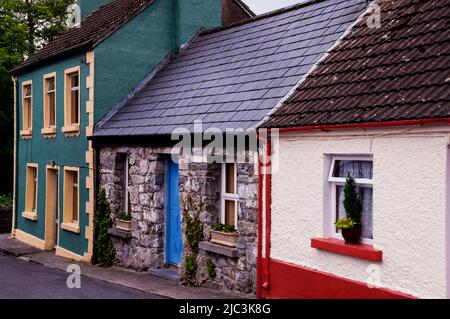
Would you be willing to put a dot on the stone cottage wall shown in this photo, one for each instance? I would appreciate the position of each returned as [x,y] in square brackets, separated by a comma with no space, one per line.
[147,195]
[198,181]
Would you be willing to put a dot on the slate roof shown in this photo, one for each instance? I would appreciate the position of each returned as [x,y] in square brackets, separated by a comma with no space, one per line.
[233,77]
[398,72]
[94,29]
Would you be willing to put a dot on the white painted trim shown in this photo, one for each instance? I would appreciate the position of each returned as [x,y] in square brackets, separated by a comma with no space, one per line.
[330,194]
[447,226]
[227,196]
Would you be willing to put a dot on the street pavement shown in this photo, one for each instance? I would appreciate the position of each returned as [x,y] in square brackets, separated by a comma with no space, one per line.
[27,280]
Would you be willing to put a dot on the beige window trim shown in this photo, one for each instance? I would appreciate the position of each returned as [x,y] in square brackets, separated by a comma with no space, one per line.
[31,191]
[27,115]
[71,128]
[69,222]
[49,129]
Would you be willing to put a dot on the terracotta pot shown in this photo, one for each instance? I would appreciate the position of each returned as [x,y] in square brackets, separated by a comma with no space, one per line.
[225,239]
[123,224]
[352,235]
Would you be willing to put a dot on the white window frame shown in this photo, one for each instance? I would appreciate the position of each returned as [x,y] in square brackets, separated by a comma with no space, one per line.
[229,196]
[334,182]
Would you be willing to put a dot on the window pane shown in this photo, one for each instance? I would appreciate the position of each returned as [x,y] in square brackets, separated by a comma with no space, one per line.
[34,190]
[50,84]
[75,197]
[27,91]
[230,207]
[229,179]
[52,110]
[74,107]
[27,124]
[358,169]
[365,195]
[74,80]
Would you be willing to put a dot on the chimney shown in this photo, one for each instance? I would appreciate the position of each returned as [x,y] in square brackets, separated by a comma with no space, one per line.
[234,11]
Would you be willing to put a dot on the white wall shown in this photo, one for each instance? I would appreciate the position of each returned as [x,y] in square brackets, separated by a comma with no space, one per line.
[409,205]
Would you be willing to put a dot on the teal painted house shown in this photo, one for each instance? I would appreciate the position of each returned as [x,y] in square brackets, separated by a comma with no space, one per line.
[63,90]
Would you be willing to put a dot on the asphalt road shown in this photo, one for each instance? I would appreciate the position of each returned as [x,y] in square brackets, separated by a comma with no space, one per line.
[25,280]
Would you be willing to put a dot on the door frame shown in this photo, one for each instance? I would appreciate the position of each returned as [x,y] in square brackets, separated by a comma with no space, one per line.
[50,219]
[168,175]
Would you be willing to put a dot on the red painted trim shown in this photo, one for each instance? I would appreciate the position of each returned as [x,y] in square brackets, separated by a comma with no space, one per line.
[291,281]
[337,246]
[260,229]
[364,125]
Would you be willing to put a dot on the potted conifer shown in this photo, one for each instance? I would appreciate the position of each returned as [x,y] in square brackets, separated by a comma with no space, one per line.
[226,235]
[350,225]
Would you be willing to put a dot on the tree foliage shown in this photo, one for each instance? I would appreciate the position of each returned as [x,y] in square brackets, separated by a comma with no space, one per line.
[25,26]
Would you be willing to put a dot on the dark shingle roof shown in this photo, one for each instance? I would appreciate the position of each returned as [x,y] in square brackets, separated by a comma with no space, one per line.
[398,72]
[233,77]
[94,29]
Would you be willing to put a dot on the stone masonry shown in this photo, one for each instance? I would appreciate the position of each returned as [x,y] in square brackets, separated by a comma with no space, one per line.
[200,182]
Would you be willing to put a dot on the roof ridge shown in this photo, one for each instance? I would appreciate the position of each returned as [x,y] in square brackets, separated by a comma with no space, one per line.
[263,16]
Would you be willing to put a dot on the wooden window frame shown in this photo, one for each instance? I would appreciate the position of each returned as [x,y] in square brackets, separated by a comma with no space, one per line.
[29,213]
[68,222]
[70,128]
[228,196]
[47,128]
[334,182]
[27,132]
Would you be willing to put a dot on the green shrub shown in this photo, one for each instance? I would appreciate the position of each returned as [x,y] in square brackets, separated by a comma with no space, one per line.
[104,251]
[6,200]
[352,204]
[211,268]
[125,217]
[224,228]
[190,269]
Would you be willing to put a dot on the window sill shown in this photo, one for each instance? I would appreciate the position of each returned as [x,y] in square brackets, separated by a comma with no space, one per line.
[361,251]
[71,130]
[30,215]
[26,134]
[219,249]
[72,227]
[49,132]
[117,232]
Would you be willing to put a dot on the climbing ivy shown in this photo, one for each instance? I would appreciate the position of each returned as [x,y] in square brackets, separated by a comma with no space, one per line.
[104,251]
[211,268]
[194,235]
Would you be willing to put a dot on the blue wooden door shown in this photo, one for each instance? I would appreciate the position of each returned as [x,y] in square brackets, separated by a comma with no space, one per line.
[173,220]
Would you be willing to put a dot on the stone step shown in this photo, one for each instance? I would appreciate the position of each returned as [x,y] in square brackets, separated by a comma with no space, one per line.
[168,274]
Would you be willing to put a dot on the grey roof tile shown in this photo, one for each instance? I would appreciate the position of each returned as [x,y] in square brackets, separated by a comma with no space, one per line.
[233,77]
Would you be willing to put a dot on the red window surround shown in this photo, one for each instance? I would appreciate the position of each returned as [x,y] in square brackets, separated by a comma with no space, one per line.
[337,246]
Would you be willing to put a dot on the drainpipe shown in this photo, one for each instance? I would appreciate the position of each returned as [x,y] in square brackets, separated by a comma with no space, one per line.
[16,148]
[365,125]
[264,178]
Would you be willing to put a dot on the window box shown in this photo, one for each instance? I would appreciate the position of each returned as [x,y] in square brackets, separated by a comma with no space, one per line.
[361,251]
[123,224]
[225,239]
[115,232]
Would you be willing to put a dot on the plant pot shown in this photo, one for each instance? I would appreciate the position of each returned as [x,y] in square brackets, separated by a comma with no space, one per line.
[352,235]
[123,224]
[225,239]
